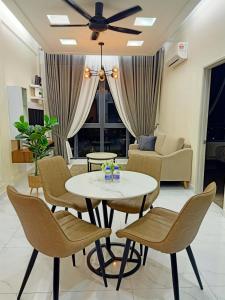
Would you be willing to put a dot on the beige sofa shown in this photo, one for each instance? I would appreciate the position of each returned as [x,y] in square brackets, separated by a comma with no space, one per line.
[176,158]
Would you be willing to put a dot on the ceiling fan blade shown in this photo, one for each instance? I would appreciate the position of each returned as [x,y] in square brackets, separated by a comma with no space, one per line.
[95,35]
[124,14]
[98,9]
[69,25]
[124,30]
[78,9]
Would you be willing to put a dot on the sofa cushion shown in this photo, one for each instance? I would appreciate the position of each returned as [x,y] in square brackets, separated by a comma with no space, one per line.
[159,142]
[147,143]
[146,153]
[171,144]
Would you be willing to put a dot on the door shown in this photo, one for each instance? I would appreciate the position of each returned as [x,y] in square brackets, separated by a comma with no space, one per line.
[215,136]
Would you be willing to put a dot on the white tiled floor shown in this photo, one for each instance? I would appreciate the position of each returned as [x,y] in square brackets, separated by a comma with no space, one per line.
[152,282]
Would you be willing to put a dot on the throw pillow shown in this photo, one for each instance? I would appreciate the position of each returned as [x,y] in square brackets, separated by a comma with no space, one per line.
[147,143]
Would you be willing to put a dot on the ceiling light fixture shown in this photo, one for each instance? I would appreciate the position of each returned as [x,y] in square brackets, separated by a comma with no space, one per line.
[102,73]
[58,19]
[68,42]
[135,43]
[140,21]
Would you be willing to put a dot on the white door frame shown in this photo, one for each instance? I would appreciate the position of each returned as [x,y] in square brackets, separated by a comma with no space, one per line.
[204,125]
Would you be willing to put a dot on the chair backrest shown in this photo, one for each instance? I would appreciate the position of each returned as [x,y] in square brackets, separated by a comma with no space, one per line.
[146,164]
[39,224]
[187,224]
[54,173]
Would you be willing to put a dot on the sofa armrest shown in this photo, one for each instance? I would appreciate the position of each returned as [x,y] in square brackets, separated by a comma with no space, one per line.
[133,147]
[177,166]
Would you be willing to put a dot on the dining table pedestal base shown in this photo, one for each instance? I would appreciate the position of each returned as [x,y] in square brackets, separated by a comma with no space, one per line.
[135,260]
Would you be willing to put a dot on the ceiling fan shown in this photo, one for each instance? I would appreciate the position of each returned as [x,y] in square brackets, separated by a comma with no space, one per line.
[99,23]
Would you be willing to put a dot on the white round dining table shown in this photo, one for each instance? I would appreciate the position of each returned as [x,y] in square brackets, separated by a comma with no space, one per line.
[92,185]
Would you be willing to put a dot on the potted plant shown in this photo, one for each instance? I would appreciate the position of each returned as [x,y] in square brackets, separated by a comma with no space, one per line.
[35,140]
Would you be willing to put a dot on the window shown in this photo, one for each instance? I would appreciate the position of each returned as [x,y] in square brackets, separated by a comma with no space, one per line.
[103,129]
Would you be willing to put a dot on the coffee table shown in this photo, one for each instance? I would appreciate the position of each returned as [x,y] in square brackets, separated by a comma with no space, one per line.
[98,158]
[93,186]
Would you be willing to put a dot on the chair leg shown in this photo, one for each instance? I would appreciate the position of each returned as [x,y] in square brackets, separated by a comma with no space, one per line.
[80,217]
[132,250]
[141,249]
[145,255]
[56,278]
[101,261]
[173,259]
[28,271]
[126,218]
[74,260]
[53,208]
[123,263]
[194,266]
[98,217]
[111,217]
[186,184]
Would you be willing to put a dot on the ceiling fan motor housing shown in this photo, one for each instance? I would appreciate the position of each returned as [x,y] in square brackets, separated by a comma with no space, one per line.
[98,23]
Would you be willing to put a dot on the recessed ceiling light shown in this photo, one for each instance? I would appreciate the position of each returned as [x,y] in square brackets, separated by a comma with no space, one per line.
[58,19]
[68,42]
[135,43]
[144,21]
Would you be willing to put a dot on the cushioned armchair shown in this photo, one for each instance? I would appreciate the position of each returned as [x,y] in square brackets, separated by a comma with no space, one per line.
[176,158]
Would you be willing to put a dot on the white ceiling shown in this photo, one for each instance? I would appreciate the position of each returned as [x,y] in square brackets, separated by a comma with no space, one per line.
[169,14]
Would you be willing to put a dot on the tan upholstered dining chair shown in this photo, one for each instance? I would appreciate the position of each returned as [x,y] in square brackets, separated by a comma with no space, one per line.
[169,232]
[54,174]
[143,164]
[57,235]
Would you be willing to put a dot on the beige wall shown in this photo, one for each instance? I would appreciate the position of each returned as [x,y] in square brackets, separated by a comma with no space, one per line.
[18,65]
[180,110]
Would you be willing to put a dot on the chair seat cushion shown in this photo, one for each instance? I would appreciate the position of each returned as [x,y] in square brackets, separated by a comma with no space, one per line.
[133,206]
[139,152]
[152,229]
[79,233]
[72,201]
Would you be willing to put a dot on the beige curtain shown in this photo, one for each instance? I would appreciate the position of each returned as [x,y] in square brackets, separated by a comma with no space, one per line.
[64,75]
[115,88]
[141,78]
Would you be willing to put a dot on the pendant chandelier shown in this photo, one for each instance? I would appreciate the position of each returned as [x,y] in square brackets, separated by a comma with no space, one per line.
[102,73]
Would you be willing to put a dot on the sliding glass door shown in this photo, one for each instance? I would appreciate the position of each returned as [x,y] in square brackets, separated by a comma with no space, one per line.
[103,130]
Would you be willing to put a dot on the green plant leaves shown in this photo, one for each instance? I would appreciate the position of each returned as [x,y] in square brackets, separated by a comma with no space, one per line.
[35,136]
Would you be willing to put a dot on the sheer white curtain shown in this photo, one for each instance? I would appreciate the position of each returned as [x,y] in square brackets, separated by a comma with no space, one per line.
[87,94]
[115,87]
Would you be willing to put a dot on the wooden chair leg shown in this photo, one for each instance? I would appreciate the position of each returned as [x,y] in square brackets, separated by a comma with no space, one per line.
[186,184]
[123,263]
[56,270]
[31,190]
[80,217]
[173,259]
[28,271]
[194,266]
